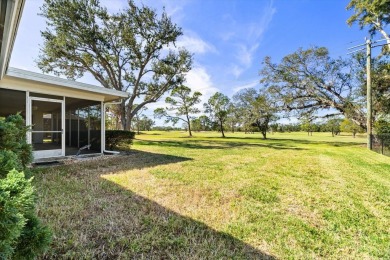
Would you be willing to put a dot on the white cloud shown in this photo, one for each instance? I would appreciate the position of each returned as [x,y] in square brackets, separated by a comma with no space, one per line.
[256,30]
[247,39]
[173,8]
[199,80]
[226,36]
[114,6]
[152,106]
[236,71]
[247,85]
[195,44]
[245,54]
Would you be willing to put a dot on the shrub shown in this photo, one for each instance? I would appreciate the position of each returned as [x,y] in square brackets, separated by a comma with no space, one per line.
[35,238]
[22,236]
[119,139]
[382,126]
[21,233]
[8,161]
[12,202]
[13,138]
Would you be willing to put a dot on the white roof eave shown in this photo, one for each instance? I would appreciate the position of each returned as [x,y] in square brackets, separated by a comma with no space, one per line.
[13,14]
[66,83]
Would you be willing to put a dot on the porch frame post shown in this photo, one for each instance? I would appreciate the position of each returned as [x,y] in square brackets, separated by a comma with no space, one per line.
[63,126]
[103,127]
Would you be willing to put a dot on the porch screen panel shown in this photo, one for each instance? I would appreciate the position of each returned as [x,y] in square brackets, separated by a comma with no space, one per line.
[12,102]
[95,127]
[46,125]
[82,126]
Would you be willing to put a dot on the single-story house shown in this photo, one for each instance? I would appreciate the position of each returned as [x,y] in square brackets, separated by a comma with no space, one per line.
[64,115]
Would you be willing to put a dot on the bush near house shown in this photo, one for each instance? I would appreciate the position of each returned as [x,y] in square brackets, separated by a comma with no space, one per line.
[22,236]
[15,152]
[119,139]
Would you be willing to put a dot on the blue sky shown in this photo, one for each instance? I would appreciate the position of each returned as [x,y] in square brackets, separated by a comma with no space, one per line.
[229,38]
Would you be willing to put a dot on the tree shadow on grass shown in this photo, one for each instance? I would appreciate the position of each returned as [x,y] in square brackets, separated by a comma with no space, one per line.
[284,141]
[215,144]
[92,217]
[333,143]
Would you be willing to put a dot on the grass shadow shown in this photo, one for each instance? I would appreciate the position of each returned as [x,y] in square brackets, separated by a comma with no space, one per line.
[305,142]
[217,144]
[92,217]
[147,133]
[285,141]
[296,140]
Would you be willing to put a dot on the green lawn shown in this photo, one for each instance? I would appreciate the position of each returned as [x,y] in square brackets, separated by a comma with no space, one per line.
[292,196]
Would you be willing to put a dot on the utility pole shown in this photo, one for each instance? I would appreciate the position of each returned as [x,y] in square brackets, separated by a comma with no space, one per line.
[369,95]
[368,46]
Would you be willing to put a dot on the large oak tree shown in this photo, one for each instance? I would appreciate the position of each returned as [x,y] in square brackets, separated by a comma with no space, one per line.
[309,81]
[256,108]
[126,51]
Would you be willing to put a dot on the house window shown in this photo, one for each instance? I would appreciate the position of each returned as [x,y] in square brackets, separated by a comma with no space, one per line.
[12,102]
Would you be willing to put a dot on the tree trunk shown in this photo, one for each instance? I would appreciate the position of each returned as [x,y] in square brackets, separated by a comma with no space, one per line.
[123,114]
[383,32]
[189,125]
[128,122]
[117,119]
[262,130]
[189,129]
[223,134]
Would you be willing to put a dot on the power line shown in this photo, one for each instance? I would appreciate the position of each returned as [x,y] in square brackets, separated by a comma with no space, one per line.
[368,45]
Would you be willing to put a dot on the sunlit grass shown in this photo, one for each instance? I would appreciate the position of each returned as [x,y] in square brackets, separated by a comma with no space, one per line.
[292,196]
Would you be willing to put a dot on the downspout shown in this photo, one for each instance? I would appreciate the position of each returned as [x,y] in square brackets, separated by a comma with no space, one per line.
[104,126]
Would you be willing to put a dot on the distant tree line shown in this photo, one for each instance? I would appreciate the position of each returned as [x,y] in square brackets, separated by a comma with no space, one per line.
[334,126]
[250,111]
